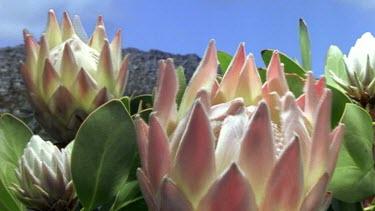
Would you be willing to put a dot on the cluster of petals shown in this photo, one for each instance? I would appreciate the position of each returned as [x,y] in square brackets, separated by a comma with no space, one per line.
[359,80]
[68,76]
[238,144]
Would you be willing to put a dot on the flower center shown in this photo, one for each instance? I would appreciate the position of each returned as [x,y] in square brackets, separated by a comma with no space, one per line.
[278,138]
[84,56]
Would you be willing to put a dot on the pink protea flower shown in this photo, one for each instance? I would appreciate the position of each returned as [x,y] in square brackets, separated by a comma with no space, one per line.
[67,78]
[237,145]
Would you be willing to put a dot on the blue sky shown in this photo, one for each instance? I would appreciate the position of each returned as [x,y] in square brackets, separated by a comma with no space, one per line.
[186,26]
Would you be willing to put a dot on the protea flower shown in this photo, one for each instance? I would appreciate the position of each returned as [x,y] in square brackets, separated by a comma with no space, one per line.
[67,78]
[237,145]
[45,182]
[359,82]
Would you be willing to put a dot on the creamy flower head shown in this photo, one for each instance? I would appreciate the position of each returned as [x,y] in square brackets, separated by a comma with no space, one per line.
[68,77]
[45,181]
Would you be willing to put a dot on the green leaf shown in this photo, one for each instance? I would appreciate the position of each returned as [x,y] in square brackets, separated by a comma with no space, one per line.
[337,205]
[14,136]
[339,101]
[304,43]
[295,84]
[224,60]
[126,101]
[140,103]
[263,74]
[354,176]
[335,63]
[290,66]
[181,85]
[103,154]
[126,196]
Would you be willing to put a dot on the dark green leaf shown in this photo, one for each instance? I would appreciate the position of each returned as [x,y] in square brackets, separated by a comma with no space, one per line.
[14,136]
[304,43]
[290,66]
[263,74]
[128,194]
[354,177]
[224,60]
[337,205]
[335,63]
[103,154]
[140,103]
[295,84]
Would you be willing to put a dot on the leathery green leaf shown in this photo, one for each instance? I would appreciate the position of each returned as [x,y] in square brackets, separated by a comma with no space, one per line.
[14,136]
[335,63]
[103,154]
[304,44]
[224,60]
[354,176]
[339,101]
[290,66]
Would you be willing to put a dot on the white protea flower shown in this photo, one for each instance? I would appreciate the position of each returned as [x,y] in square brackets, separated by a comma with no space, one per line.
[360,71]
[44,176]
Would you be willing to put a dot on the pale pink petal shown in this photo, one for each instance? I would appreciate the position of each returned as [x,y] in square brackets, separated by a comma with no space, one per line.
[105,68]
[204,78]
[172,198]
[158,153]
[67,29]
[194,165]
[62,103]
[276,81]
[122,77]
[43,54]
[69,67]
[32,51]
[284,189]
[85,88]
[257,153]
[231,191]
[141,129]
[145,186]
[99,35]
[320,141]
[27,78]
[232,75]
[203,97]
[53,30]
[319,87]
[228,145]
[315,198]
[249,85]
[294,123]
[336,138]
[311,98]
[50,79]
[101,97]
[116,50]
[165,99]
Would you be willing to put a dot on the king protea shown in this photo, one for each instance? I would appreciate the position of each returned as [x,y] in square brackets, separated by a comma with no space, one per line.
[237,145]
[67,77]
